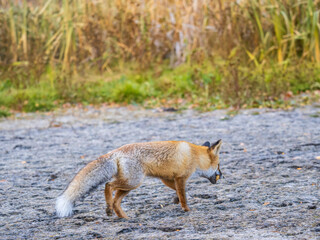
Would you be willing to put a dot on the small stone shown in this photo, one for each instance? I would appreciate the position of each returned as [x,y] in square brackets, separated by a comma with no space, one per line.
[312,207]
[266,225]
[219,202]
[233,199]
[52,177]
[125,230]
[221,208]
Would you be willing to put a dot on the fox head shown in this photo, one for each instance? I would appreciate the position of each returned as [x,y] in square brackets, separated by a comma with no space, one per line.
[213,173]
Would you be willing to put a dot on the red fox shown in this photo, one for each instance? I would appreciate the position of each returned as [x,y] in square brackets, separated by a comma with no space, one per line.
[124,169]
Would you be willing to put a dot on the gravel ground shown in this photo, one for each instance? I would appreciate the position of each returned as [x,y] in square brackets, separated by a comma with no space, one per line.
[270,188]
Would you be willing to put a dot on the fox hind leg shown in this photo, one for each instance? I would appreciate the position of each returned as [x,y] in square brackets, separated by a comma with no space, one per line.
[129,177]
[171,184]
[109,199]
[120,194]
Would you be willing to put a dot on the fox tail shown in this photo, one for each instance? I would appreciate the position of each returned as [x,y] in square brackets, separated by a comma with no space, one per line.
[87,179]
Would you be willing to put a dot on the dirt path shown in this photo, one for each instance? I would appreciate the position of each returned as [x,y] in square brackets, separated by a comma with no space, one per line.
[271,188]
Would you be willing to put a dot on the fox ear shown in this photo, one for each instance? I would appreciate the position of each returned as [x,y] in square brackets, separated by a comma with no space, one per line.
[215,148]
[206,144]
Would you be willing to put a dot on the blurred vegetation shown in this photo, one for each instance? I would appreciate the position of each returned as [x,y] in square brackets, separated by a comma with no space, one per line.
[198,53]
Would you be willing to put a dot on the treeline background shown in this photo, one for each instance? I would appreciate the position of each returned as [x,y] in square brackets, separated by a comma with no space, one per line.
[190,52]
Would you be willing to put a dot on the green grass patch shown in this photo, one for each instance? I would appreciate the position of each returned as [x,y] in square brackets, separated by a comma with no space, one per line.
[4,113]
[203,87]
[40,97]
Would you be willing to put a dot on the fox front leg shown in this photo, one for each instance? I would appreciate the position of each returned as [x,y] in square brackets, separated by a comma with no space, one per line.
[180,184]
[109,200]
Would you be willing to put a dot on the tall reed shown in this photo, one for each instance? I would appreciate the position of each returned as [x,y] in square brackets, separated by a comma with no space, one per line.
[78,35]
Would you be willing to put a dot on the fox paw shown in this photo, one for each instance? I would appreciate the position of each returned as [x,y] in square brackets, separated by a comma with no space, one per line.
[109,211]
[186,209]
[175,200]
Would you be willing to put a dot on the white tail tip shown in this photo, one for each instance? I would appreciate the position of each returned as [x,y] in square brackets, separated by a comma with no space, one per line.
[63,206]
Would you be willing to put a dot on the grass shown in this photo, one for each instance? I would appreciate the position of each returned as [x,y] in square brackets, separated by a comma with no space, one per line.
[181,53]
[4,113]
[204,87]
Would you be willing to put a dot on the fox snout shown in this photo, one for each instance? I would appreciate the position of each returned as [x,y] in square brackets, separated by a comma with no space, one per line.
[212,175]
[215,177]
